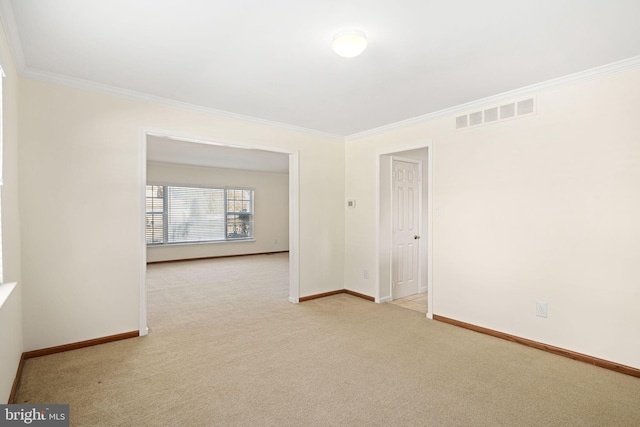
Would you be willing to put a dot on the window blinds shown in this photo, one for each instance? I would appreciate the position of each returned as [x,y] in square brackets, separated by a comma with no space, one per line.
[194,214]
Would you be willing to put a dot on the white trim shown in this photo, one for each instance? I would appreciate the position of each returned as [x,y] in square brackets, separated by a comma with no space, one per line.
[15,44]
[294,210]
[378,298]
[430,174]
[159,100]
[294,227]
[9,23]
[592,73]
[389,151]
[142,184]
[13,37]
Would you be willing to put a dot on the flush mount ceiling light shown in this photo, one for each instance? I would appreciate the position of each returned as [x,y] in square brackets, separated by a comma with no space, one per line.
[349,44]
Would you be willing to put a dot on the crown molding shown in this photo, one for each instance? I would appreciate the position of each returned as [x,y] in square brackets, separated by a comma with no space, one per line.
[13,37]
[592,73]
[153,99]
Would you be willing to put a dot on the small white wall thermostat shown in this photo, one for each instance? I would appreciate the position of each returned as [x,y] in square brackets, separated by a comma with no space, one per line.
[351,203]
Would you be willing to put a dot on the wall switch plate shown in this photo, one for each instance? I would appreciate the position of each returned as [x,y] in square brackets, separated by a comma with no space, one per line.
[541,309]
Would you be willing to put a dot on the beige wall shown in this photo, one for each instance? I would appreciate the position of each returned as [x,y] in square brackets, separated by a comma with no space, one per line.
[540,208]
[81,165]
[11,343]
[271,209]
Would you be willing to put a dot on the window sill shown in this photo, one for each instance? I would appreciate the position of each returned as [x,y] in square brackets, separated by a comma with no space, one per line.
[211,242]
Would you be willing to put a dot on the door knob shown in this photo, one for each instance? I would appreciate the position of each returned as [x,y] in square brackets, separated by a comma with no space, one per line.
[416,237]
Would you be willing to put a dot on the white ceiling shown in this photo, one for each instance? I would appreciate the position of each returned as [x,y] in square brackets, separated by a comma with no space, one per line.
[272,59]
[170,150]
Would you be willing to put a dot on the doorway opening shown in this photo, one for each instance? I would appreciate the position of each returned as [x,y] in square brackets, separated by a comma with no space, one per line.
[404,236]
[172,154]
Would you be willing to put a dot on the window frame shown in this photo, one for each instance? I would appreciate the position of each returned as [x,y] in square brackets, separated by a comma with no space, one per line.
[225,239]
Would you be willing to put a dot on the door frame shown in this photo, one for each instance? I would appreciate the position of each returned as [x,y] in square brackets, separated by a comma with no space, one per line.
[381,224]
[294,209]
[417,162]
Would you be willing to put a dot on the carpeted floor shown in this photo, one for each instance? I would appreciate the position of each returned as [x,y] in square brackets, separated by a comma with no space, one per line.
[227,349]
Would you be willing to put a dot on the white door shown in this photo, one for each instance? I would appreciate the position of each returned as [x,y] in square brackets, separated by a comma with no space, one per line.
[405,258]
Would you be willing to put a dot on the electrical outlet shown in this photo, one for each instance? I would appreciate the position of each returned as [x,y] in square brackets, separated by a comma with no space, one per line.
[541,309]
[366,273]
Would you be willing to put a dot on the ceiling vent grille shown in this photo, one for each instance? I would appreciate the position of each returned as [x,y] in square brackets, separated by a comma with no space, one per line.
[475,119]
[491,114]
[525,107]
[462,122]
[506,111]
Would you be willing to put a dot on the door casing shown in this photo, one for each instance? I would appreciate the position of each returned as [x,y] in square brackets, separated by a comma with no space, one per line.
[383,220]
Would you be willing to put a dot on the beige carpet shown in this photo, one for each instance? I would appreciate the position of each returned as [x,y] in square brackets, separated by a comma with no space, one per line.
[227,349]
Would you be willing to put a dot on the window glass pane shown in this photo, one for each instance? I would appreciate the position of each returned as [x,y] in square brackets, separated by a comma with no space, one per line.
[154,230]
[155,205]
[188,214]
[239,214]
[195,214]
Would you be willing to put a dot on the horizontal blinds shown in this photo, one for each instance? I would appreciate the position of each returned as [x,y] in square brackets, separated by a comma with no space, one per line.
[195,214]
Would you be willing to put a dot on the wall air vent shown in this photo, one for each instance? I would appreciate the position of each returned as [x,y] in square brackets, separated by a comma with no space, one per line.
[525,107]
[461,122]
[475,119]
[497,113]
[507,111]
[491,114]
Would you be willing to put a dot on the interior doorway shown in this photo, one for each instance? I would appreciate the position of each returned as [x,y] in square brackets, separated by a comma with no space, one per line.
[404,236]
[291,158]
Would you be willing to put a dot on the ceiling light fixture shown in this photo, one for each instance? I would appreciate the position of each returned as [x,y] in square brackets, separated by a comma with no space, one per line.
[349,44]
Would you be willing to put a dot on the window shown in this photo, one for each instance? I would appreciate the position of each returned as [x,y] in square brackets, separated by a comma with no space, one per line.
[155,214]
[239,214]
[194,214]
